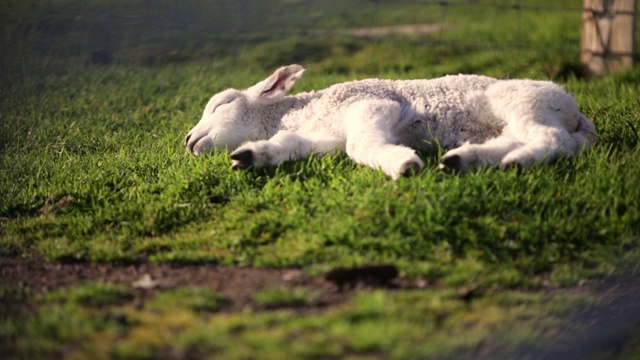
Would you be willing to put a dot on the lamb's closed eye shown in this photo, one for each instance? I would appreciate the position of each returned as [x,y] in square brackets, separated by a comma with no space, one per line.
[224,102]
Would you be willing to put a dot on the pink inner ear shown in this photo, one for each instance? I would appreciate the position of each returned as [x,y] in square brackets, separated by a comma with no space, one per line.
[278,84]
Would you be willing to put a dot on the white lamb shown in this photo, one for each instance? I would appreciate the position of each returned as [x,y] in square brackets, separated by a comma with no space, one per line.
[379,123]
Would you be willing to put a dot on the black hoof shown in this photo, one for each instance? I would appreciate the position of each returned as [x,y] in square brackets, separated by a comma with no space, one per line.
[241,159]
[410,168]
[451,163]
[244,155]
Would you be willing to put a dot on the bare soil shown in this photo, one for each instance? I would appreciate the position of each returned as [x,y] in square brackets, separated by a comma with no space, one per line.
[236,284]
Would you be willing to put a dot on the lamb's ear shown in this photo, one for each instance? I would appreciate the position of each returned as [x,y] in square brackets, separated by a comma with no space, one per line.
[275,87]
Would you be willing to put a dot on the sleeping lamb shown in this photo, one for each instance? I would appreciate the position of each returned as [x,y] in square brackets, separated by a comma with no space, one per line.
[379,123]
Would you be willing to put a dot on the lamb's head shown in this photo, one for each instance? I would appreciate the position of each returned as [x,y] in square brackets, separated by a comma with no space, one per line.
[232,116]
[223,123]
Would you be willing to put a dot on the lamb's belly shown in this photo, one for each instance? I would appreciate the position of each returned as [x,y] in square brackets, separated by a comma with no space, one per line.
[449,129]
[450,140]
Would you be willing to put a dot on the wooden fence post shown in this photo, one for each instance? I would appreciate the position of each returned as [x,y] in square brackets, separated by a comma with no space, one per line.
[608,35]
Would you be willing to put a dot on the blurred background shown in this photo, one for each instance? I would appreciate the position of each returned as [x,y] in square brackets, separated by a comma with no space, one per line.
[499,37]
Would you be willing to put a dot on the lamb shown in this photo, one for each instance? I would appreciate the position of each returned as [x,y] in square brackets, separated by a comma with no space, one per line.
[380,123]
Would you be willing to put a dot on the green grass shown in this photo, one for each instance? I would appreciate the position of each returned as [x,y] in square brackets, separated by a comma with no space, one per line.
[377,324]
[194,299]
[93,169]
[283,297]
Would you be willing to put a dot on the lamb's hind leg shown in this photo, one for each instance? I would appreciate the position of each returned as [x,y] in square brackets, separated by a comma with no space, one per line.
[371,142]
[542,117]
[543,144]
[547,139]
[538,141]
[283,146]
[472,156]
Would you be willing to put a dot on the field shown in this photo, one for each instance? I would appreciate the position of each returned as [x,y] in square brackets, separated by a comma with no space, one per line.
[116,243]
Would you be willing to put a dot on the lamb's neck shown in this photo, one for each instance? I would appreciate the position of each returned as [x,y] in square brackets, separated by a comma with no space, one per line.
[289,107]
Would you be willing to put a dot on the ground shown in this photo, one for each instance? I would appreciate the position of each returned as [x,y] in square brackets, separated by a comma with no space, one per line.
[611,327]
[236,284]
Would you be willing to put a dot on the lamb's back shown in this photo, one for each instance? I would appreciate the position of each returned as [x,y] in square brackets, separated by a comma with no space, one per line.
[448,89]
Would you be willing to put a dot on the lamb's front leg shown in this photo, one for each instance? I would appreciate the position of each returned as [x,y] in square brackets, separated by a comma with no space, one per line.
[369,128]
[283,146]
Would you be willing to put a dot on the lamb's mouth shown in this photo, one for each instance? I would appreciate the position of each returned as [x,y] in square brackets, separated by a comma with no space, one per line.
[191,141]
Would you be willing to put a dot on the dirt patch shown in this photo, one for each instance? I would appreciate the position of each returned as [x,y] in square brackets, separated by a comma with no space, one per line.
[236,284]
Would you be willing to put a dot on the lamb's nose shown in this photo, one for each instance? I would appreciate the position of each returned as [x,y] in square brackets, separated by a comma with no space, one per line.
[192,140]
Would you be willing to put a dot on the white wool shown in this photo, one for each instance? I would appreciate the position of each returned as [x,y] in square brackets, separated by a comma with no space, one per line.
[379,123]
